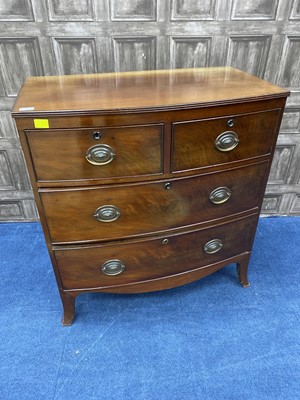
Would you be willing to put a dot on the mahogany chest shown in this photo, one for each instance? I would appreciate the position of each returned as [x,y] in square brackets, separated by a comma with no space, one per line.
[147,180]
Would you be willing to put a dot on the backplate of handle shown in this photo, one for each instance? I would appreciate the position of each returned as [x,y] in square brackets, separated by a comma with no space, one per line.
[227,141]
[100,154]
[107,213]
[213,246]
[220,195]
[113,267]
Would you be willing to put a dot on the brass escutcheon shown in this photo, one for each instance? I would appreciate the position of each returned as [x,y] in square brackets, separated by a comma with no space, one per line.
[113,267]
[227,141]
[213,246]
[107,213]
[100,154]
[220,195]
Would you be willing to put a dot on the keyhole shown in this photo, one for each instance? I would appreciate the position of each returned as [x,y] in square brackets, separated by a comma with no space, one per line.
[97,135]
[230,122]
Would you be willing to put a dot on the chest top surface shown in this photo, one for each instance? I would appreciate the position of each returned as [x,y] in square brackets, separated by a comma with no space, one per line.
[129,92]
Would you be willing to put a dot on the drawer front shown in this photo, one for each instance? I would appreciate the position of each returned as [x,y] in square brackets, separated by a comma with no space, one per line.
[217,141]
[117,264]
[105,213]
[98,153]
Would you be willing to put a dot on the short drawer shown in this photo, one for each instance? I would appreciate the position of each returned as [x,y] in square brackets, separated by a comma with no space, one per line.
[96,153]
[122,211]
[125,263]
[217,141]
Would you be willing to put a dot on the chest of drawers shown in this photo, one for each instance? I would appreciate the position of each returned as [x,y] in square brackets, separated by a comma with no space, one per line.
[147,180]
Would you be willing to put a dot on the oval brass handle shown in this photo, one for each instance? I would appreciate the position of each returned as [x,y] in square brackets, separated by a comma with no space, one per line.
[220,195]
[107,213]
[100,154]
[213,246]
[113,267]
[227,141]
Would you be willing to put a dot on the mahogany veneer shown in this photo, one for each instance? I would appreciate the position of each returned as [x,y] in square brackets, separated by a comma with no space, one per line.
[147,180]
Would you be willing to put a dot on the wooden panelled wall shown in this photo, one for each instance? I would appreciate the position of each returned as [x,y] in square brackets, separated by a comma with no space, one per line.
[51,37]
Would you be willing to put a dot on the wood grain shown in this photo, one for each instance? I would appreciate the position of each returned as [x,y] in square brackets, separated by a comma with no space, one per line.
[104,93]
[152,259]
[149,208]
[194,141]
[61,154]
[161,180]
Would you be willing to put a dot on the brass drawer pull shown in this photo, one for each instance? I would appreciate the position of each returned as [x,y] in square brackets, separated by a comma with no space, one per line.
[227,141]
[213,246]
[113,267]
[220,195]
[100,154]
[107,213]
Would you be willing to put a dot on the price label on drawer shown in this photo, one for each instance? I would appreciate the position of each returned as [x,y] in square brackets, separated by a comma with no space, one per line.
[41,123]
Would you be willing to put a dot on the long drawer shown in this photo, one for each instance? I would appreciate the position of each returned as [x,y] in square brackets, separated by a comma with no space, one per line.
[96,153]
[122,211]
[218,141]
[124,263]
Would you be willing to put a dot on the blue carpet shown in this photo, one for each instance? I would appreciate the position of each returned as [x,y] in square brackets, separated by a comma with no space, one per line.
[207,340]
